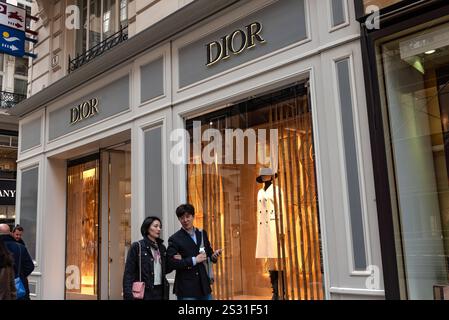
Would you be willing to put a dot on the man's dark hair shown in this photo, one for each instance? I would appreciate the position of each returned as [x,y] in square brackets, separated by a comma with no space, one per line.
[185,208]
[17,227]
[146,225]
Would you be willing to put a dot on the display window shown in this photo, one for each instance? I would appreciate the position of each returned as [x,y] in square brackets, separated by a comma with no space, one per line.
[82,231]
[263,213]
[414,82]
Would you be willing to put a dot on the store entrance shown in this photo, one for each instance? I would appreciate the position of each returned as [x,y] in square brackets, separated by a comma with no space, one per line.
[98,230]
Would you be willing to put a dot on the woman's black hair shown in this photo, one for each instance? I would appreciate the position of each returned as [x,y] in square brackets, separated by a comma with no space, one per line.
[146,225]
[6,258]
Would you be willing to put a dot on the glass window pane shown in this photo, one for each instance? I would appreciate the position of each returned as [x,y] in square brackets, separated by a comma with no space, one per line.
[415,80]
[20,86]
[21,66]
[82,231]
[94,23]
[5,140]
[81,33]
[123,13]
[2,56]
[109,18]
[338,12]
[263,213]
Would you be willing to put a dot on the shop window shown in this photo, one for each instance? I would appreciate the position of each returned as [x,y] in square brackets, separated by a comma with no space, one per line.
[415,90]
[82,231]
[273,254]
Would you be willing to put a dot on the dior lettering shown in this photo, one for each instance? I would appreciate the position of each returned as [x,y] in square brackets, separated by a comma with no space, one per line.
[234,43]
[84,110]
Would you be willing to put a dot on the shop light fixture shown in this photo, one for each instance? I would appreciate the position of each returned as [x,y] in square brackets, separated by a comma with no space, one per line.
[89,173]
[430,52]
[2,216]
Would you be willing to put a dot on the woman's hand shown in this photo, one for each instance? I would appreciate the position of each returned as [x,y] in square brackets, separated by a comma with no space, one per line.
[177,256]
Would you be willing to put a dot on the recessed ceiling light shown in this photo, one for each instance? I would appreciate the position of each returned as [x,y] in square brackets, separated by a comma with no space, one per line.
[430,52]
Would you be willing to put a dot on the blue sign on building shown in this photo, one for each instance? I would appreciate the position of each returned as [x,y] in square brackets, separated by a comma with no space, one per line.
[12,41]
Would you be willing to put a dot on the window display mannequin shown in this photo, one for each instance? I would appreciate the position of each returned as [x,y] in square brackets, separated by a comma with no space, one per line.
[267,240]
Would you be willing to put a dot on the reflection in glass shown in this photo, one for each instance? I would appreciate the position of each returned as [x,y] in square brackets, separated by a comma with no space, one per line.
[416,95]
[226,197]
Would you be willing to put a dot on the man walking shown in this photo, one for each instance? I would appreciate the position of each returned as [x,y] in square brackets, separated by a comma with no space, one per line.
[192,280]
[17,233]
[22,258]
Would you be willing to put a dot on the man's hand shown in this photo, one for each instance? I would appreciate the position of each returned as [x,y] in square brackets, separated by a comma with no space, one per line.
[201,257]
[177,257]
[216,254]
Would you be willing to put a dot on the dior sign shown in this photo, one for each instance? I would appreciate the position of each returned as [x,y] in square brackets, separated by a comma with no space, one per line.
[234,43]
[84,110]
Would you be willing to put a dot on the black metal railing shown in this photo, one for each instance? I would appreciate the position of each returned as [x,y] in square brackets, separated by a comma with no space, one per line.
[10,99]
[98,49]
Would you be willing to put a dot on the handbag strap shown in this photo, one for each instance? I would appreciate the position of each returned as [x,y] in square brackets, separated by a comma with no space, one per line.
[202,238]
[140,262]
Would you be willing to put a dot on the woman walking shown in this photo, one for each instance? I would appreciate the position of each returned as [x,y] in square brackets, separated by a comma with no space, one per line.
[146,262]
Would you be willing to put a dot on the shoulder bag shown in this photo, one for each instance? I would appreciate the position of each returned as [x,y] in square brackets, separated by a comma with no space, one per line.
[139,286]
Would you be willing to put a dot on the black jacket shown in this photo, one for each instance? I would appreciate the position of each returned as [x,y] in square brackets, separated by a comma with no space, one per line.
[26,263]
[190,280]
[131,273]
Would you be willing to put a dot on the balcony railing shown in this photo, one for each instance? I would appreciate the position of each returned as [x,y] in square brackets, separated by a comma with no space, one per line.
[10,99]
[98,49]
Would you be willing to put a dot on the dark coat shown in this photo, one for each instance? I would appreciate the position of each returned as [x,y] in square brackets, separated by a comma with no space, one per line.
[190,280]
[131,273]
[26,263]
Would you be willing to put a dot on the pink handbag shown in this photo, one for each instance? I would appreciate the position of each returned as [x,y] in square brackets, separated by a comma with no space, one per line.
[139,286]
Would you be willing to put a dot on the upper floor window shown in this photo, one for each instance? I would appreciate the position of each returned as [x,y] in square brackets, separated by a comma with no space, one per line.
[100,19]
[13,74]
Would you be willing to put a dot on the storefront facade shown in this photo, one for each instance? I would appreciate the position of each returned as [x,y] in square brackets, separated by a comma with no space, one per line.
[162,127]
[406,76]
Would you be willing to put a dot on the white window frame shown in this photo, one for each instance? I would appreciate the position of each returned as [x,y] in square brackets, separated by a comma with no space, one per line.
[116,22]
